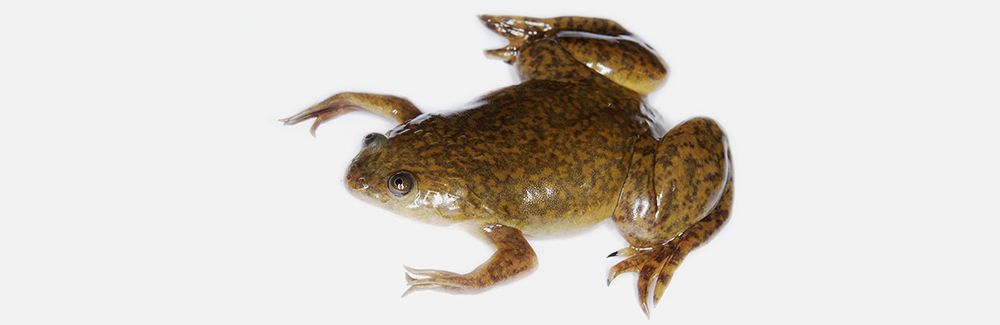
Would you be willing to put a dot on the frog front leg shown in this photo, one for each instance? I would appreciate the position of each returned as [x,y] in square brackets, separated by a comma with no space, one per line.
[514,256]
[678,195]
[398,109]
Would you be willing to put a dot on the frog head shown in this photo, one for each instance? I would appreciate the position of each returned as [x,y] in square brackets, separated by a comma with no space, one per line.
[386,174]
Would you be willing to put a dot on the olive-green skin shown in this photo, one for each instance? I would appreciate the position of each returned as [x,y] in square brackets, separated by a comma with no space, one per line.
[524,156]
[571,145]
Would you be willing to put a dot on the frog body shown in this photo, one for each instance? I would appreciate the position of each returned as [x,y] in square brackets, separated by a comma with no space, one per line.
[571,145]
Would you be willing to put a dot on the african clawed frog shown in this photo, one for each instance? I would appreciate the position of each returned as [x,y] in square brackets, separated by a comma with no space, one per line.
[574,143]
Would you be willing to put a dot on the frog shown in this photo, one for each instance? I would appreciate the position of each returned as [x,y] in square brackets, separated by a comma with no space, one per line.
[573,144]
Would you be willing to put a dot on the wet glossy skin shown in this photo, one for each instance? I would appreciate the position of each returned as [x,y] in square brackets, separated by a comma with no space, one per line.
[573,144]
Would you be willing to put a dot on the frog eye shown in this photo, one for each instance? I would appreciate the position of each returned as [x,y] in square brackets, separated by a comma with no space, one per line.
[400,183]
[373,140]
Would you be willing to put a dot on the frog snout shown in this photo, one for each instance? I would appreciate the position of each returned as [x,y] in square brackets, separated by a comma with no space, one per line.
[356,181]
[364,186]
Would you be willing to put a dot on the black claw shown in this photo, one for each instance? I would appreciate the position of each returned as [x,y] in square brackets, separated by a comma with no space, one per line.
[613,254]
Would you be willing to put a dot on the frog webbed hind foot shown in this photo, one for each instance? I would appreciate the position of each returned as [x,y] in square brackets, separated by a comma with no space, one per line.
[655,266]
[521,30]
[570,47]
[398,109]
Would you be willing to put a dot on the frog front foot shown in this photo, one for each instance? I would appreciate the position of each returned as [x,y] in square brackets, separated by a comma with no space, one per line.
[513,257]
[438,280]
[395,108]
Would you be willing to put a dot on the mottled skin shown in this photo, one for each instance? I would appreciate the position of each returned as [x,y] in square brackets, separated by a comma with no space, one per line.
[573,144]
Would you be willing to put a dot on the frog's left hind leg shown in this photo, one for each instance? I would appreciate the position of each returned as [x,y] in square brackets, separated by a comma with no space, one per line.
[398,109]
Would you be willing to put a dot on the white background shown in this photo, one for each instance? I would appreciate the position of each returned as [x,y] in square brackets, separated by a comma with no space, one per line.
[145,178]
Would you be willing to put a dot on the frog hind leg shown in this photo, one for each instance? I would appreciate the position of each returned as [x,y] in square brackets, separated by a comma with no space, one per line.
[600,45]
[626,60]
[395,108]
[520,30]
[693,188]
[656,266]
[513,257]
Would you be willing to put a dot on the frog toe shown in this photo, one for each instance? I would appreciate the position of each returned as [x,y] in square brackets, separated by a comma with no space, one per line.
[651,265]
[663,278]
[507,54]
[517,28]
[628,265]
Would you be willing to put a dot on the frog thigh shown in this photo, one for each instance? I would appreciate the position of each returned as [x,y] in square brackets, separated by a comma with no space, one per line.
[691,169]
[624,59]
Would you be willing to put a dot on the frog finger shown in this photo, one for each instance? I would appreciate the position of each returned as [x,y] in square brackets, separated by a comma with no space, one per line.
[437,283]
[395,108]
[428,272]
[513,257]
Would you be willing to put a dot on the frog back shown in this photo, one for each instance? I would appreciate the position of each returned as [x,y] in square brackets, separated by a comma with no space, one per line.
[542,156]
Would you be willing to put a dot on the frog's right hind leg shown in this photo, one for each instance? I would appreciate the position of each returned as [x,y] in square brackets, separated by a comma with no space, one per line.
[398,109]
[656,266]
[691,200]
[521,30]
[601,45]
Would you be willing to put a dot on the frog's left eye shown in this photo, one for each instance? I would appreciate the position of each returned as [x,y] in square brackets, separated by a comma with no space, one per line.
[373,140]
[400,183]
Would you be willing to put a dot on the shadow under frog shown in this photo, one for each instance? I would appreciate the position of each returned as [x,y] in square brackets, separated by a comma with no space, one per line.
[573,144]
